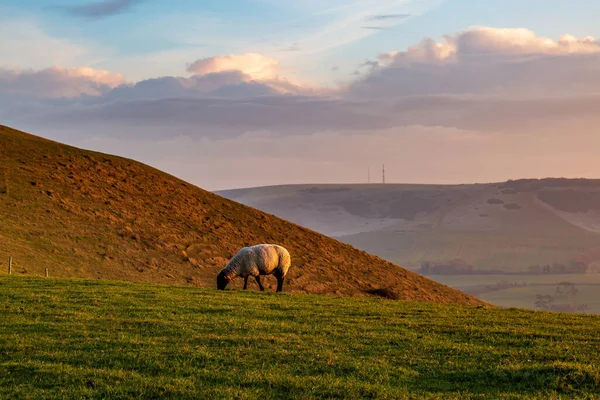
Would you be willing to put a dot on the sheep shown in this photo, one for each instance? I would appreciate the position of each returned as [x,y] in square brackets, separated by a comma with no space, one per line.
[262,259]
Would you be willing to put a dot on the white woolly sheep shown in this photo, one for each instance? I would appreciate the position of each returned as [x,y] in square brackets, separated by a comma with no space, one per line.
[262,259]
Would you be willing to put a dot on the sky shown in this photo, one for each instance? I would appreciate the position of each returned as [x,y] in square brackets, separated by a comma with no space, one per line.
[242,93]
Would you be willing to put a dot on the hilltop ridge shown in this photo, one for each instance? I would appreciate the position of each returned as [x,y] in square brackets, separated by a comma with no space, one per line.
[92,215]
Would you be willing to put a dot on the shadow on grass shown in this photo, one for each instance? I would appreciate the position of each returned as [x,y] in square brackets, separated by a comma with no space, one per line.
[558,378]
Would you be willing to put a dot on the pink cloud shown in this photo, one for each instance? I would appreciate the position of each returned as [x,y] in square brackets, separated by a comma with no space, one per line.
[486,61]
[254,65]
[481,41]
[58,82]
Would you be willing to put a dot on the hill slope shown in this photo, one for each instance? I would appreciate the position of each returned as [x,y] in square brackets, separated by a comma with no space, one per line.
[514,226]
[86,214]
[189,343]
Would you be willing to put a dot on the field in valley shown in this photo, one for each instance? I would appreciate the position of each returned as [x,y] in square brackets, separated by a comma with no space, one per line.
[64,338]
[527,289]
[483,250]
[510,226]
[515,228]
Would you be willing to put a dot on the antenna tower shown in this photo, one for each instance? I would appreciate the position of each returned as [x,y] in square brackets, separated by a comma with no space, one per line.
[383,173]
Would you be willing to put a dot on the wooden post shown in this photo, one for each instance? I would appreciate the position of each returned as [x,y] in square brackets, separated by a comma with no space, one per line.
[46,272]
[9,265]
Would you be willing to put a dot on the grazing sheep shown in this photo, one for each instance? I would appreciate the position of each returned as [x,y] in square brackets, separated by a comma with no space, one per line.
[262,259]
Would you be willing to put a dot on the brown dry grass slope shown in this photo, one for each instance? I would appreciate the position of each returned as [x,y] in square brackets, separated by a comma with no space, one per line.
[91,215]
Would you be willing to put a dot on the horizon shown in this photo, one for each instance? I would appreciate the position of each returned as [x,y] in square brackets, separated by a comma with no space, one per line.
[400,183]
[444,92]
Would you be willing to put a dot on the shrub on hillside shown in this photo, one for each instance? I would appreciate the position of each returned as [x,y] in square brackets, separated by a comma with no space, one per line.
[495,201]
[386,293]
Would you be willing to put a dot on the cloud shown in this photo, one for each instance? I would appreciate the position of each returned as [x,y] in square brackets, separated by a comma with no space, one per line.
[234,76]
[177,87]
[394,19]
[483,42]
[478,97]
[23,44]
[101,9]
[369,64]
[485,61]
[480,80]
[337,23]
[293,47]
[57,82]
[212,117]
[254,65]
[387,17]
[254,71]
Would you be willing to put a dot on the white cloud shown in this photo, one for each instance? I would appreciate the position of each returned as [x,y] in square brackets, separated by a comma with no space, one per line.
[252,69]
[233,76]
[107,78]
[486,61]
[256,66]
[485,42]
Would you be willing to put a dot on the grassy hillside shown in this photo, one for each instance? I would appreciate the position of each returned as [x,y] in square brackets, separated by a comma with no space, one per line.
[91,215]
[509,226]
[96,339]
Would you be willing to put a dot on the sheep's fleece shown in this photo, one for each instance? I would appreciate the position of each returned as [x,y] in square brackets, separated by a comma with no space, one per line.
[262,259]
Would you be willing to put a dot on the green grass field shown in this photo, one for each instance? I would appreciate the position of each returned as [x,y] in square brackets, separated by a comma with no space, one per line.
[147,341]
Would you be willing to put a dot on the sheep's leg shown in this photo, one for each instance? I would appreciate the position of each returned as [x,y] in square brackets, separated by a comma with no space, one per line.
[280,283]
[245,283]
[257,277]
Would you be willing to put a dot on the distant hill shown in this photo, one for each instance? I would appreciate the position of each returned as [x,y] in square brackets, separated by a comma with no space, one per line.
[516,226]
[86,214]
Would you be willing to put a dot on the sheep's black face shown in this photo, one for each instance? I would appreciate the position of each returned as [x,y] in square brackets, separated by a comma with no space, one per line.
[222,281]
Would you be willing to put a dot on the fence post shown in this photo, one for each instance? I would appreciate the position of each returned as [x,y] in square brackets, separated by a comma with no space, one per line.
[46,272]
[9,265]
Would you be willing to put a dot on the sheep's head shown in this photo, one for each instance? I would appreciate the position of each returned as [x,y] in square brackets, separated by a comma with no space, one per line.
[222,280]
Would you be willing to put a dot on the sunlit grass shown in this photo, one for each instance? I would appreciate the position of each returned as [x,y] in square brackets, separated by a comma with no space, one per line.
[58,337]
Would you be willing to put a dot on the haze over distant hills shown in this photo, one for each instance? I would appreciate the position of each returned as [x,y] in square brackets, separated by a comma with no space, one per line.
[91,215]
[516,226]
